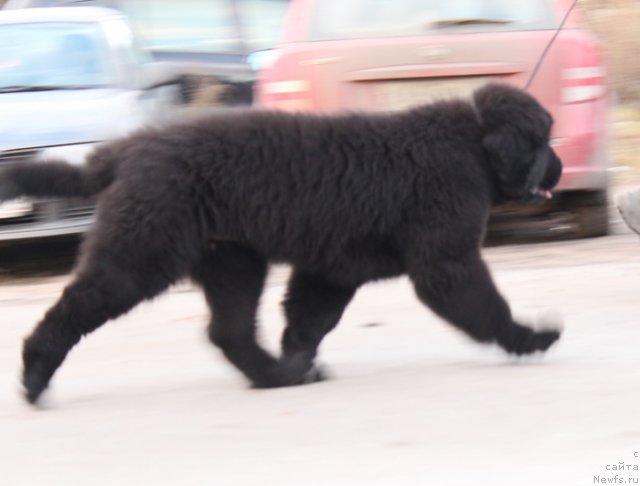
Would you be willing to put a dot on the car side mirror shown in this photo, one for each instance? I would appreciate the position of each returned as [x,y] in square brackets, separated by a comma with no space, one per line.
[259,59]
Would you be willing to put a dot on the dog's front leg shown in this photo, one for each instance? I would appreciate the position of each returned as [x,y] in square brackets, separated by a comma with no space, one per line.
[461,291]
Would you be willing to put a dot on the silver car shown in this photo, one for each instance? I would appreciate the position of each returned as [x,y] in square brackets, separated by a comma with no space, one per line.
[70,77]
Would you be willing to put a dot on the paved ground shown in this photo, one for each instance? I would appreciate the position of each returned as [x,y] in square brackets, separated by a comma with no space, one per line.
[146,401]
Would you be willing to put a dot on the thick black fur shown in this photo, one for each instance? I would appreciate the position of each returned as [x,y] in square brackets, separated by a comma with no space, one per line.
[343,199]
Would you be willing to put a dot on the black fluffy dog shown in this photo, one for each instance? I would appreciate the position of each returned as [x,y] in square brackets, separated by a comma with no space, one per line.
[344,199]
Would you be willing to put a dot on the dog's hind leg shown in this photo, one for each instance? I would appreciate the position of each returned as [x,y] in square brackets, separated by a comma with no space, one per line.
[99,293]
[232,278]
[313,308]
[117,270]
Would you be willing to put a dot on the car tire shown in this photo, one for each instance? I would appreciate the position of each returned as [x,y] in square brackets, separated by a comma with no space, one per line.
[590,210]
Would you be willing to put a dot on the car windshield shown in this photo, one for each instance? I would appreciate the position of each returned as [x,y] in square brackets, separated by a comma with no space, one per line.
[43,56]
[167,25]
[355,19]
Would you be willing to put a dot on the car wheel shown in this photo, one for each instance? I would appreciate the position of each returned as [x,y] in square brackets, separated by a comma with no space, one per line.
[590,210]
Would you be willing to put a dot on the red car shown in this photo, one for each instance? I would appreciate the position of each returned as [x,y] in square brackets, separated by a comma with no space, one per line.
[387,55]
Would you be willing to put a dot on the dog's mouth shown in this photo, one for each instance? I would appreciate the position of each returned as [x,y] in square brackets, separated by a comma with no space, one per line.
[538,195]
[542,193]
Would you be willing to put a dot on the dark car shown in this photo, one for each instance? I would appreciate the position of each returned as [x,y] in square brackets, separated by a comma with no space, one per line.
[206,41]
[141,60]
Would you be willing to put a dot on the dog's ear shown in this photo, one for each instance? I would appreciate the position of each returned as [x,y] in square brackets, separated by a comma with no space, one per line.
[518,167]
[523,172]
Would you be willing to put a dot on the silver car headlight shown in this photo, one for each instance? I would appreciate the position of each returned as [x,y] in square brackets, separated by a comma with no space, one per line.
[15,208]
[75,154]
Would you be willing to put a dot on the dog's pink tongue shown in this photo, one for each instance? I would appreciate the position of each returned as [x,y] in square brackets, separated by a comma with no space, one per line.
[548,195]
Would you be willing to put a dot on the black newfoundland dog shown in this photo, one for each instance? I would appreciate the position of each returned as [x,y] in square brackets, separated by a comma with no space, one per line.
[343,199]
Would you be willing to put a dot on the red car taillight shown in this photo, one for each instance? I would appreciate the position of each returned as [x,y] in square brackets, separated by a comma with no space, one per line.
[290,95]
[584,74]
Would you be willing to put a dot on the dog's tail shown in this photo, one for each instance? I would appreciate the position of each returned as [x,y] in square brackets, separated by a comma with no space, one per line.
[57,178]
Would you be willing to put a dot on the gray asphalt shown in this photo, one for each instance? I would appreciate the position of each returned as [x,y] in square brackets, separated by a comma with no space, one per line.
[145,400]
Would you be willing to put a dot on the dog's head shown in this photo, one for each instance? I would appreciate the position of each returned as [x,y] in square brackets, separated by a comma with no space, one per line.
[516,140]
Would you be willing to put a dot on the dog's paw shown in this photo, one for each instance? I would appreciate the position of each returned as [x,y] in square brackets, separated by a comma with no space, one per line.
[521,340]
[34,381]
[38,369]
[314,375]
[540,341]
[292,370]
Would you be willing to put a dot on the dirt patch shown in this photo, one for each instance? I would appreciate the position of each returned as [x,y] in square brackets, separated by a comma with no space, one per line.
[616,22]
[625,132]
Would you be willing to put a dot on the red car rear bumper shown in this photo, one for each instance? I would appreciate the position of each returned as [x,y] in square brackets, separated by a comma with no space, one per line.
[582,142]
